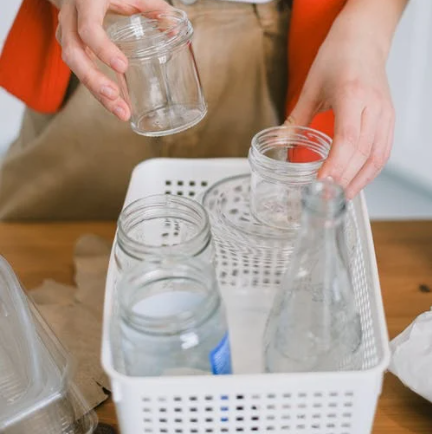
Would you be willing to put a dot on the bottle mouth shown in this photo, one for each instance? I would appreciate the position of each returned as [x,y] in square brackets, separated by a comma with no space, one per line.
[170,298]
[325,199]
[151,33]
[163,225]
[289,153]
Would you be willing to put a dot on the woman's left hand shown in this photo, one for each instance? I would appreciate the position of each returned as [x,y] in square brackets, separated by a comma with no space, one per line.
[349,77]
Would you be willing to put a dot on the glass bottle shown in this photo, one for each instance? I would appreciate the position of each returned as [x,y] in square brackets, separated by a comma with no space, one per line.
[283,160]
[314,324]
[172,321]
[161,84]
[158,226]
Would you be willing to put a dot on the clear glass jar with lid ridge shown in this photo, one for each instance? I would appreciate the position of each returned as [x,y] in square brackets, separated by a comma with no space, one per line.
[172,320]
[161,84]
[283,160]
[159,226]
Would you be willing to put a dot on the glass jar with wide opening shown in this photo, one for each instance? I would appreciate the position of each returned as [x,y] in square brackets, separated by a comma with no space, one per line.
[160,226]
[161,84]
[172,321]
[283,161]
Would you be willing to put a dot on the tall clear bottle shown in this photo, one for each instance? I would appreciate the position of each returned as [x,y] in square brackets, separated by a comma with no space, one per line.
[314,324]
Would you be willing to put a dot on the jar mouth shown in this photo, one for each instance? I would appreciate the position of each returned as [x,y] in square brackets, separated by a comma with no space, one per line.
[150,33]
[143,310]
[164,210]
[272,149]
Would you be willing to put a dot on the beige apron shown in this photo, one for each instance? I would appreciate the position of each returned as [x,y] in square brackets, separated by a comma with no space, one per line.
[76,164]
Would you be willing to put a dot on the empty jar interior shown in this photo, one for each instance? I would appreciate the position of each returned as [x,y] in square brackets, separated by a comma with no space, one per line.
[283,160]
[170,318]
[163,225]
[150,33]
[289,149]
[161,84]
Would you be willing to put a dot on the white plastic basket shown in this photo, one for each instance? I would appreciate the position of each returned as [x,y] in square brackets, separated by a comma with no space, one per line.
[318,403]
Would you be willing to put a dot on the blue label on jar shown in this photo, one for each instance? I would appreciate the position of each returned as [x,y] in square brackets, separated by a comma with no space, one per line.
[220,358]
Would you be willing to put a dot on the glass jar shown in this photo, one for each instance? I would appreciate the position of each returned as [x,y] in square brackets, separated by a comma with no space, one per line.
[172,321]
[160,226]
[161,84]
[283,160]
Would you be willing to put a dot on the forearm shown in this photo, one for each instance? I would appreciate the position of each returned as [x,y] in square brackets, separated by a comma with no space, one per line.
[372,20]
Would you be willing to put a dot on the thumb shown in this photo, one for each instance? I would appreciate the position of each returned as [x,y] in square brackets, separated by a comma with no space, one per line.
[303,112]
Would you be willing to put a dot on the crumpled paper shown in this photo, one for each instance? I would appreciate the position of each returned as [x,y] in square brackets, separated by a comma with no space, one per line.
[75,315]
[412,356]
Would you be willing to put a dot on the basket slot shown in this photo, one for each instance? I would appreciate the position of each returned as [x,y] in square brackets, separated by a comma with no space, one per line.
[319,412]
[181,187]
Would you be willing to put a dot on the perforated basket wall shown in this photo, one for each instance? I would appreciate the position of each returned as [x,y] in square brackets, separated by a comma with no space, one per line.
[321,403]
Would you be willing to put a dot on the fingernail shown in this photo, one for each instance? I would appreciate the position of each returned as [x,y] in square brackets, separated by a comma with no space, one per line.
[108,91]
[118,64]
[120,112]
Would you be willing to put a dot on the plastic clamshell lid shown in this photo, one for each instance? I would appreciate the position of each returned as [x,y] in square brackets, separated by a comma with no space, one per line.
[20,378]
[36,394]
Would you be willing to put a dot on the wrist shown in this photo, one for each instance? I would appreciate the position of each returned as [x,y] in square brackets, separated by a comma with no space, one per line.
[369,22]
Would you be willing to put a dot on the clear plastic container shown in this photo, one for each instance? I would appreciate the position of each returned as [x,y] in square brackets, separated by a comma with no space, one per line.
[283,160]
[172,321]
[36,394]
[158,226]
[161,84]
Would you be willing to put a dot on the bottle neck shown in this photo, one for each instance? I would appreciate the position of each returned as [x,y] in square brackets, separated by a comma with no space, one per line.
[324,213]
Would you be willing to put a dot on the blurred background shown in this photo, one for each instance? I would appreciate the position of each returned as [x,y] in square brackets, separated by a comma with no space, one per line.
[404,189]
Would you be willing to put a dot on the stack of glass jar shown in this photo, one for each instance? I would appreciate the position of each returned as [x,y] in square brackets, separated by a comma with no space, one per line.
[255,218]
[169,317]
[36,394]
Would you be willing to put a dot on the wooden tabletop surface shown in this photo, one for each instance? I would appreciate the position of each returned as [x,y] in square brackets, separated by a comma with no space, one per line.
[404,252]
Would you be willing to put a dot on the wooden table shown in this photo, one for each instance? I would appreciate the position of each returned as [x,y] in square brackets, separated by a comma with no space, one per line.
[404,251]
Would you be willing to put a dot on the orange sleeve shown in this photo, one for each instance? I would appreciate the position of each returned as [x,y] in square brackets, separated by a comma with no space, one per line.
[31,67]
[311,20]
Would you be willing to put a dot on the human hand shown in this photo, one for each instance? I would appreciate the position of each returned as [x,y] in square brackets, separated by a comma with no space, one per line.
[349,77]
[83,39]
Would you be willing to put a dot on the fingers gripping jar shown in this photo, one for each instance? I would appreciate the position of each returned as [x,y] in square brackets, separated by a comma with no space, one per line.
[161,85]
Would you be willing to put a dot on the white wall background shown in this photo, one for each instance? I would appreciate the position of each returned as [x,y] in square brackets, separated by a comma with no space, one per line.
[410,75]
[10,109]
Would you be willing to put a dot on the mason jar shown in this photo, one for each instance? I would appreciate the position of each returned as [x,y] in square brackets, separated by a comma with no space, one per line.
[283,160]
[172,321]
[161,85]
[160,226]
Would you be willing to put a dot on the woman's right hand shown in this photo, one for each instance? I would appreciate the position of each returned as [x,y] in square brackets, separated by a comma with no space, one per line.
[83,39]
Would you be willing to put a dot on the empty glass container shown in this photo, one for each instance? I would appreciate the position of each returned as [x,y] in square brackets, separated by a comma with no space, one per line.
[161,84]
[36,391]
[172,321]
[283,160]
[159,226]
[314,324]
